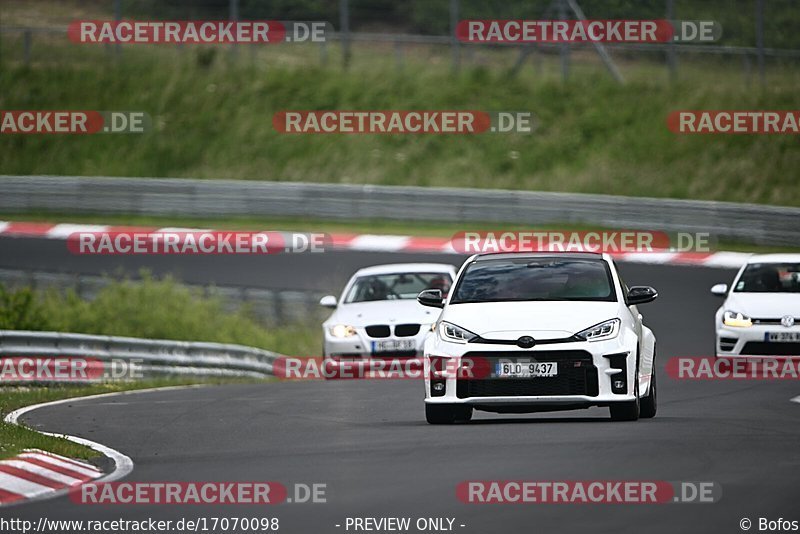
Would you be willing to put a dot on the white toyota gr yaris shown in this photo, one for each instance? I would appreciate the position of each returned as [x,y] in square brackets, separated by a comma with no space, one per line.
[528,332]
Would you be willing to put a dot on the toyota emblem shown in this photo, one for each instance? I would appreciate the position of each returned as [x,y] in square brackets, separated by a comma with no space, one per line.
[787,321]
[526,342]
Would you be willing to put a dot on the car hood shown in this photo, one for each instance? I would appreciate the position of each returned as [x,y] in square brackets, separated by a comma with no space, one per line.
[542,320]
[384,312]
[765,305]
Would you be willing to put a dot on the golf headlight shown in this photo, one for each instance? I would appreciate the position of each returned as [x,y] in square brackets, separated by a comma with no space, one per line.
[456,334]
[342,330]
[605,330]
[732,318]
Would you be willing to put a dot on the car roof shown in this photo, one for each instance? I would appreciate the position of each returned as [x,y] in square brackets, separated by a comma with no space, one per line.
[774,258]
[517,255]
[394,268]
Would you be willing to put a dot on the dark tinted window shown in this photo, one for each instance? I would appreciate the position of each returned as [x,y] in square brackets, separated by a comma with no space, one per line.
[396,286]
[535,279]
[769,278]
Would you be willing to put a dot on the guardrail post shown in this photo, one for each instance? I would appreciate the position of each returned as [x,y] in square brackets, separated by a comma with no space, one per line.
[671,58]
[344,29]
[760,38]
[454,43]
[27,43]
[233,9]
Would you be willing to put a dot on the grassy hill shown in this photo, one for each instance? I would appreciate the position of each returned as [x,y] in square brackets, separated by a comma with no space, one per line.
[212,119]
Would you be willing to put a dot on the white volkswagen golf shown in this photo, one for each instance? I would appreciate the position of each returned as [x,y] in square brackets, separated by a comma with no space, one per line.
[534,332]
[761,312]
[378,316]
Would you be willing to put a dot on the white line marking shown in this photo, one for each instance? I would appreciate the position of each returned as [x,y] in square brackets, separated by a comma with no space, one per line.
[384,243]
[3,226]
[42,471]
[63,231]
[64,459]
[60,463]
[23,487]
[796,399]
[123,465]
[726,259]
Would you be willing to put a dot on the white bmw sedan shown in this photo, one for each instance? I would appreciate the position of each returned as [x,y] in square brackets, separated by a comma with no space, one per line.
[378,316]
[534,332]
[761,312]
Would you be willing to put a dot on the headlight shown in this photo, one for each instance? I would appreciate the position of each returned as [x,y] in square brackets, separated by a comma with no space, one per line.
[342,330]
[732,318]
[451,332]
[605,330]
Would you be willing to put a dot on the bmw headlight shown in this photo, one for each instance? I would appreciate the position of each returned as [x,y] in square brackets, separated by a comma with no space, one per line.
[605,330]
[342,330]
[732,318]
[454,333]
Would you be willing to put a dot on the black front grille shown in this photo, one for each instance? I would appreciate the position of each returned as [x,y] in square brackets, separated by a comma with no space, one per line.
[772,321]
[761,348]
[727,343]
[577,375]
[378,330]
[406,330]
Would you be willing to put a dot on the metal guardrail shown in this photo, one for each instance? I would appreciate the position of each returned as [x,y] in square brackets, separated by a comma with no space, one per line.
[273,306]
[151,357]
[759,224]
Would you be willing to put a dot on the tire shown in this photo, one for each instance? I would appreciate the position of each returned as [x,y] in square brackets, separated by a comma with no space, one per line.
[447,414]
[627,411]
[648,406]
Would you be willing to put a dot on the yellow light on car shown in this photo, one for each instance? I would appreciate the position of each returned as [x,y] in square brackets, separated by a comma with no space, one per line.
[342,330]
[736,319]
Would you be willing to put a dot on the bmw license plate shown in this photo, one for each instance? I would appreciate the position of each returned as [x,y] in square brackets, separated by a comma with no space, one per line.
[782,337]
[526,369]
[394,345]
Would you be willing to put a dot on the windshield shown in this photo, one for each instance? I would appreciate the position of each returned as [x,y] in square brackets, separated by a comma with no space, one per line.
[769,278]
[396,286]
[535,279]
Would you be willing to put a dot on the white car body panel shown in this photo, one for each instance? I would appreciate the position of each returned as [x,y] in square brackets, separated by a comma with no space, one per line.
[384,312]
[546,320]
[769,306]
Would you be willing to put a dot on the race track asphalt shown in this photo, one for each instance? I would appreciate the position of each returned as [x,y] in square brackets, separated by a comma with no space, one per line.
[368,442]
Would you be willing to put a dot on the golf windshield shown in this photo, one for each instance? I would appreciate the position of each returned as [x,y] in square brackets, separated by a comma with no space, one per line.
[769,278]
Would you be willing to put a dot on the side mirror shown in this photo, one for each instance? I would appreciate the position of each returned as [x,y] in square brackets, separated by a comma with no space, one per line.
[328,301]
[719,290]
[432,298]
[641,295]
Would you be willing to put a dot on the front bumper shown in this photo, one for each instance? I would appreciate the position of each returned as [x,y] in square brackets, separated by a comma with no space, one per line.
[749,342]
[589,374]
[362,347]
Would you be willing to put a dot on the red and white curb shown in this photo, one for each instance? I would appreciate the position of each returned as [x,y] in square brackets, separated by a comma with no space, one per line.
[33,490]
[378,243]
[36,473]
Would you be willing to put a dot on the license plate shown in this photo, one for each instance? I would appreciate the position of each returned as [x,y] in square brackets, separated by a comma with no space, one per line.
[392,345]
[782,337]
[525,369]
